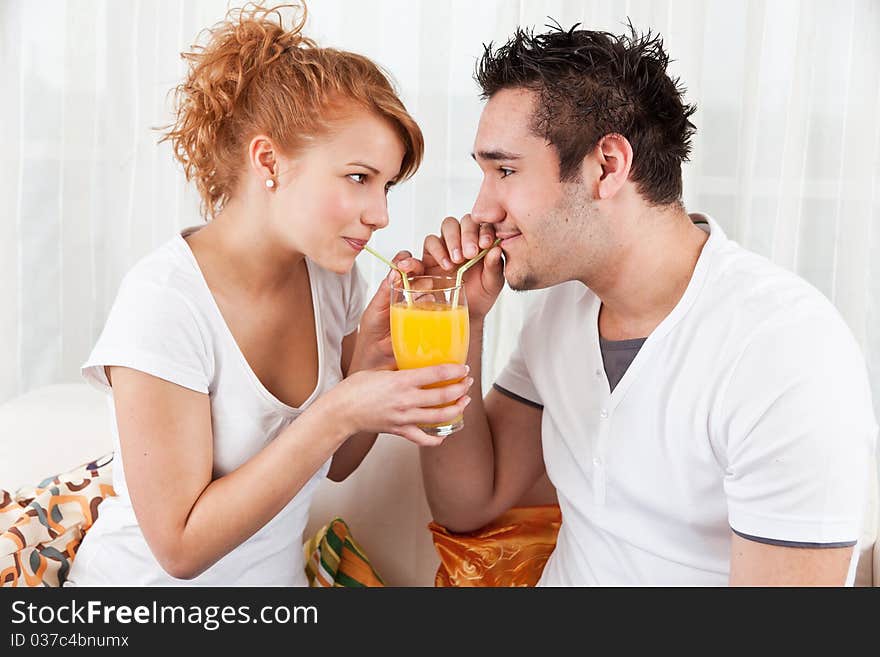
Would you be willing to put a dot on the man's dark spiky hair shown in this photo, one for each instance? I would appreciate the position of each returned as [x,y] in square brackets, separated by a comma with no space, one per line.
[591,84]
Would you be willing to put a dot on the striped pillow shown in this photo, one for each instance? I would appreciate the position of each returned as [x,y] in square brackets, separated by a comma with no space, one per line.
[333,558]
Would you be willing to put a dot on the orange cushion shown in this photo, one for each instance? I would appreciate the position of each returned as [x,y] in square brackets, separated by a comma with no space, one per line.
[510,551]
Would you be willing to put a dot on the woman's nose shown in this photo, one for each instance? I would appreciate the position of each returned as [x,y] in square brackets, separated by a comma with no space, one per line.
[377,214]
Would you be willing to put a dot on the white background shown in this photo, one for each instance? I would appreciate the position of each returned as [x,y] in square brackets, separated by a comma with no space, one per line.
[786,157]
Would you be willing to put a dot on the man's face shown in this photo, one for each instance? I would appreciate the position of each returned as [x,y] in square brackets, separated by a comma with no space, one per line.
[545,224]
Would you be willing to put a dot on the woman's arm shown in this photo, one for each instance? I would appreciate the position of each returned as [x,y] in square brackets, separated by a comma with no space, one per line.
[188,520]
[368,348]
[352,452]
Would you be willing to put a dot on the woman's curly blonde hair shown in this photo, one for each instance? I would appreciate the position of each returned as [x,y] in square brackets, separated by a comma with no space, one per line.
[254,76]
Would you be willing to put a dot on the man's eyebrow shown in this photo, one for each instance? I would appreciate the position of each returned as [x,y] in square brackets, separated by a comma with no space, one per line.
[495,155]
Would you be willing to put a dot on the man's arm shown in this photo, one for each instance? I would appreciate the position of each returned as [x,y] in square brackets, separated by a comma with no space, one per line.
[753,563]
[483,469]
[799,424]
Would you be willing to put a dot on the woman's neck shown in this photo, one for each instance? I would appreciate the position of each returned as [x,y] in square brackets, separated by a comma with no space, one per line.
[238,244]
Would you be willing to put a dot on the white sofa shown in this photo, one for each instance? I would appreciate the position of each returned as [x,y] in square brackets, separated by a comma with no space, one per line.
[58,427]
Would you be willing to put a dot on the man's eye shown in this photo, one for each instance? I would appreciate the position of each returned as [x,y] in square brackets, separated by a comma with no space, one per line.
[359,178]
[505,171]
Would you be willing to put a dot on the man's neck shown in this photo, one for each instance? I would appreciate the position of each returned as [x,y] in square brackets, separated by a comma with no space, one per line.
[647,274]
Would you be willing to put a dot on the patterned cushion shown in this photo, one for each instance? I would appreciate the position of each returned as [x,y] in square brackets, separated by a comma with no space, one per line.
[41,527]
[333,558]
[510,551]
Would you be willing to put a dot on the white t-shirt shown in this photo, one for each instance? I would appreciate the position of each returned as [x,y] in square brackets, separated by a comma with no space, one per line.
[166,323]
[747,408]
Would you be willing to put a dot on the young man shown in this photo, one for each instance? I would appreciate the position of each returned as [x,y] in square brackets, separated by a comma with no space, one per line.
[704,415]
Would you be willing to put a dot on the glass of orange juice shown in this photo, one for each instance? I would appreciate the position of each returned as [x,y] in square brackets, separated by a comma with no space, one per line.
[429,326]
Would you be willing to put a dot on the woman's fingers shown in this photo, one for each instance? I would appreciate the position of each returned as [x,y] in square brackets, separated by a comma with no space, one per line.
[413,434]
[431,406]
[425,376]
[400,257]
[443,395]
[445,415]
[412,266]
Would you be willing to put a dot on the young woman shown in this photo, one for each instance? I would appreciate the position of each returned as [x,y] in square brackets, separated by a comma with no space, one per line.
[237,372]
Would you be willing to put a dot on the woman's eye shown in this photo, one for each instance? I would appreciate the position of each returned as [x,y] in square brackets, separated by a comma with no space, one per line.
[505,171]
[359,178]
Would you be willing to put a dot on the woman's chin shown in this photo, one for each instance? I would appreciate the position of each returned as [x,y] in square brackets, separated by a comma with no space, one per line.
[337,265]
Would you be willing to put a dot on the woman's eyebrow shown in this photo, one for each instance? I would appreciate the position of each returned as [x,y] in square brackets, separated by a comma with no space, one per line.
[365,166]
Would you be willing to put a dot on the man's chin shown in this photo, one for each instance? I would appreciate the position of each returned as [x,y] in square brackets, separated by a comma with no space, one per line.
[522,283]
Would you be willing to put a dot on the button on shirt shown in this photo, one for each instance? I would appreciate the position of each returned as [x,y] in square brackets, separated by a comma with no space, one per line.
[747,408]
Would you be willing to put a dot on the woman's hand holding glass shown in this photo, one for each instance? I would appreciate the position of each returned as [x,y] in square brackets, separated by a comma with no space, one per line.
[397,402]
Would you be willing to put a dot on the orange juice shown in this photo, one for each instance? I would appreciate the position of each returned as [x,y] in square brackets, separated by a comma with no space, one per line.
[429,333]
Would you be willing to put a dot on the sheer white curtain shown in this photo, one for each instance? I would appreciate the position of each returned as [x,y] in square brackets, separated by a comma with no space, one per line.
[787,154]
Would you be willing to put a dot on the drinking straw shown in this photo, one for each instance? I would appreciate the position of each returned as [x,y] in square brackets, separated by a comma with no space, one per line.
[407,293]
[461,270]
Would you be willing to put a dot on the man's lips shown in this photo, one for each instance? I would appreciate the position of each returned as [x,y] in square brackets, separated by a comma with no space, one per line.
[506,238]
[357,245]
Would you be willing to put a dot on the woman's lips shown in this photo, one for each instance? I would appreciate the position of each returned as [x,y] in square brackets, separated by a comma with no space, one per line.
[357,245]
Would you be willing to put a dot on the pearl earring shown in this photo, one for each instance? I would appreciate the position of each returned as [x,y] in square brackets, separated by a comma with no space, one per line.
[270,183]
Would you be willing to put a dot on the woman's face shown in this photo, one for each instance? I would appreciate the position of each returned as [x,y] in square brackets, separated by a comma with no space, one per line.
[332,196]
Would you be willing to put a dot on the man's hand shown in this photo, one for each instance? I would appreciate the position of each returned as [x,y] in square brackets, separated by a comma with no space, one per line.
[457,243]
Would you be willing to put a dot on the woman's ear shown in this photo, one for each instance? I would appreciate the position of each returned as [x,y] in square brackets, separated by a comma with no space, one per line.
[262,159]
[614,154]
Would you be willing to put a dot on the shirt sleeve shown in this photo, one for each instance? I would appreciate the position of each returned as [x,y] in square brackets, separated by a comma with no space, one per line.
[355,299]
[154,329]
[515,380]
[800,436]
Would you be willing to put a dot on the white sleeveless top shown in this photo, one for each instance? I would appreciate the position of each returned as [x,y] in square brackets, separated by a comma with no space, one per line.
[166,323]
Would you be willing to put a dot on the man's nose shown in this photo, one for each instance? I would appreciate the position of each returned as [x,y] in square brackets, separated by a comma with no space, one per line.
[487,209]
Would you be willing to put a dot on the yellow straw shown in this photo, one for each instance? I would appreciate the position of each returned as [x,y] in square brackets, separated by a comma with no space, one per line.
[461,270]
[407,294]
